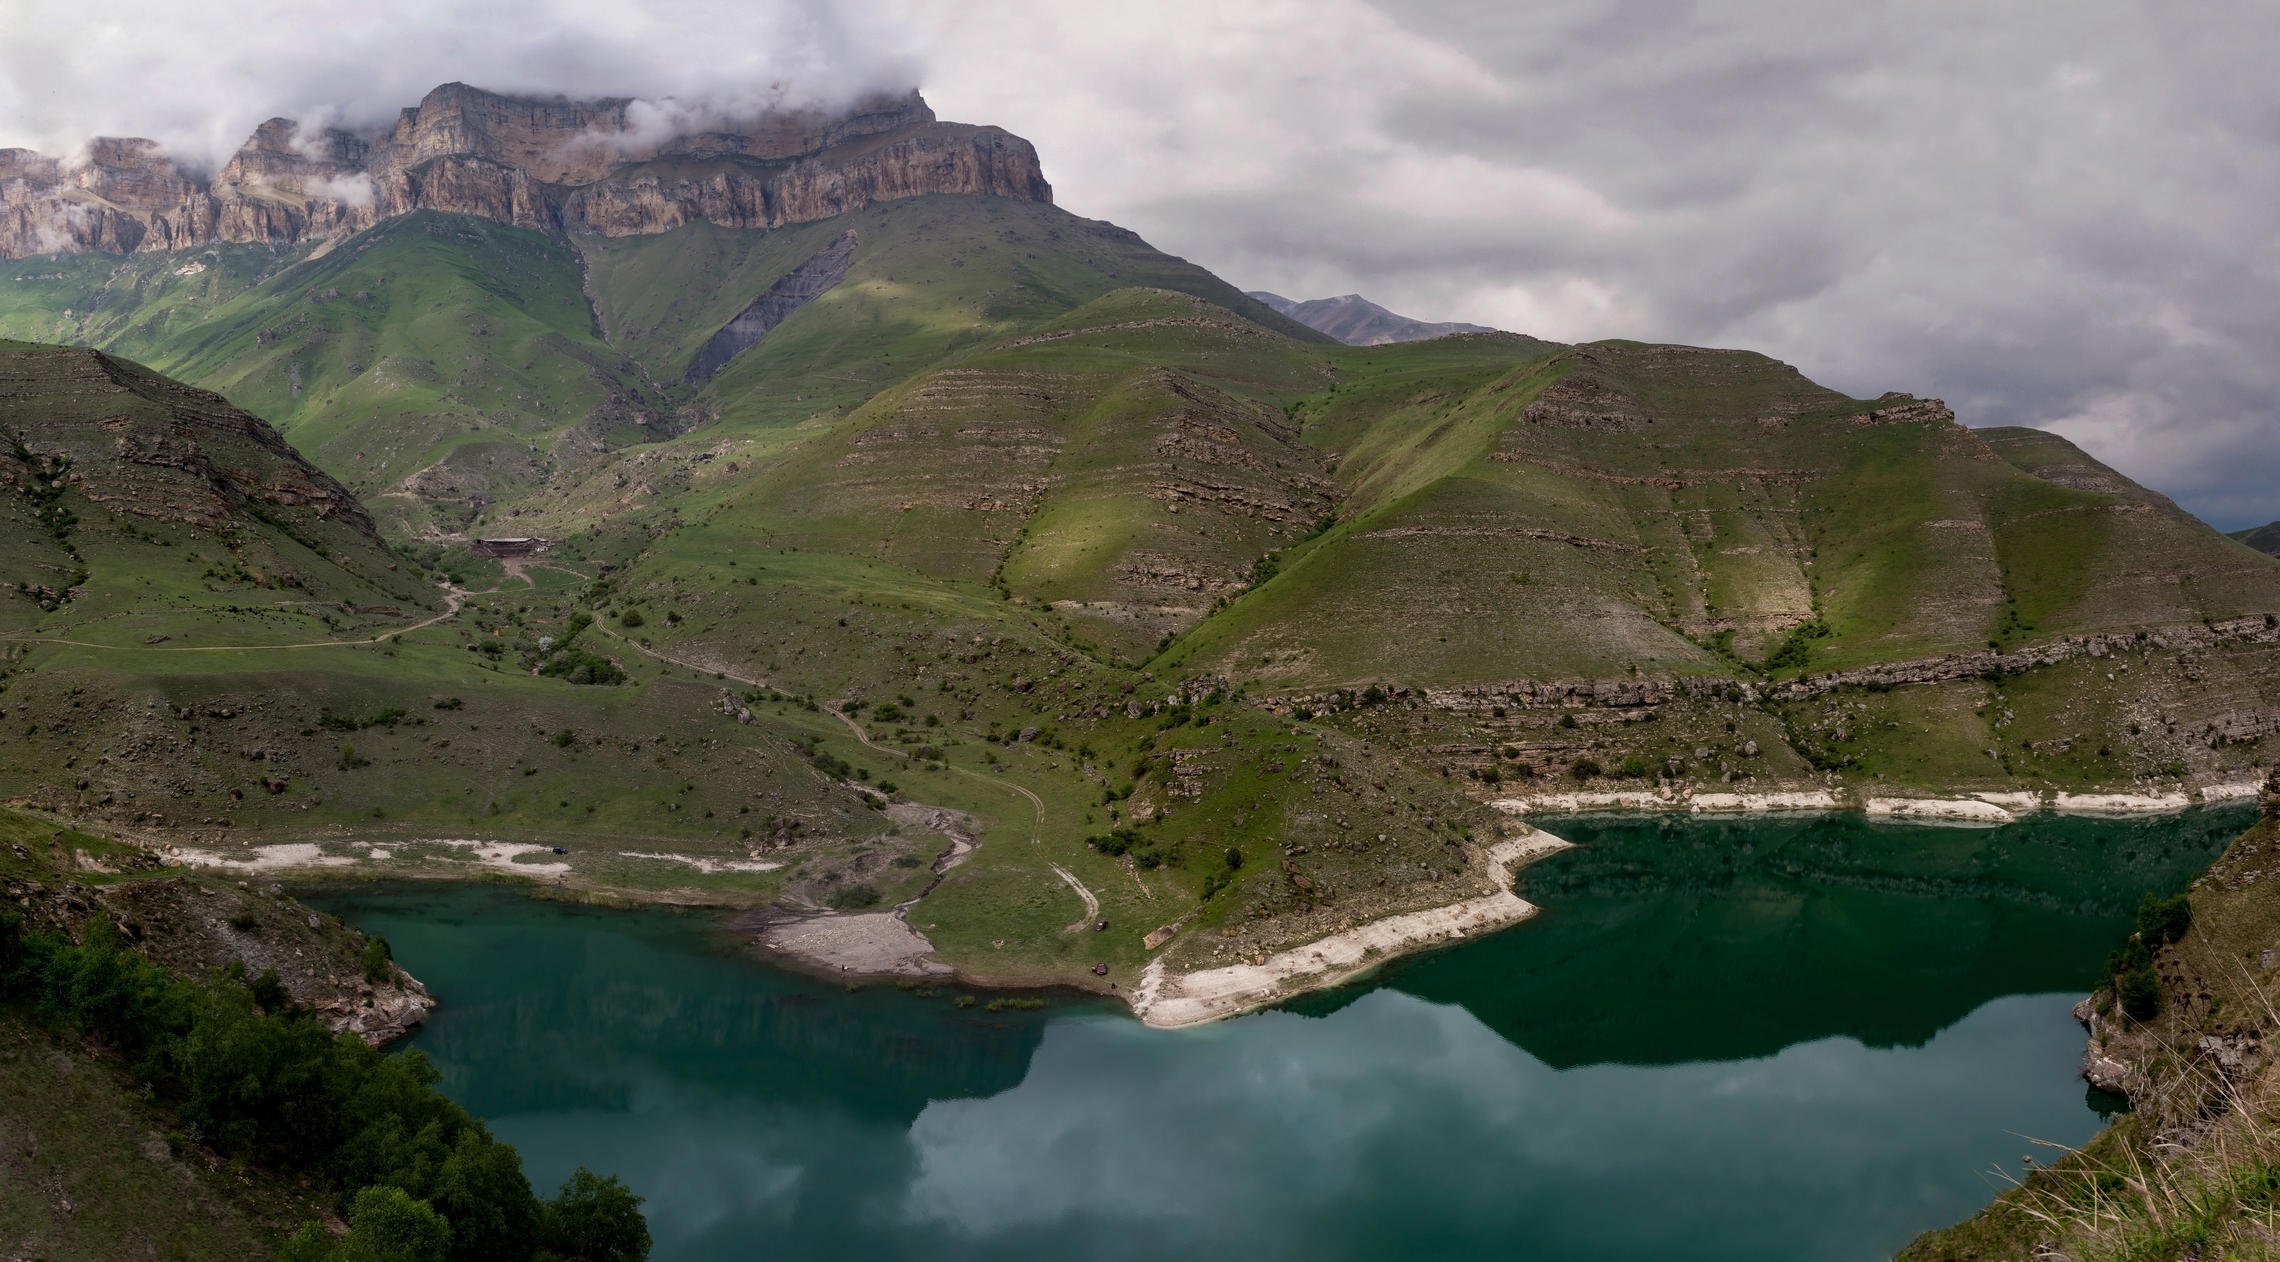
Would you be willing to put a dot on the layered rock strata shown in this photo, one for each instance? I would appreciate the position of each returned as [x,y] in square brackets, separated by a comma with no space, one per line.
[612,167]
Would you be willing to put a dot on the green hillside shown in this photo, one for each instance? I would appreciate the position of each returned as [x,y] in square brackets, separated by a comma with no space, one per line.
[144,508]
[1005,531]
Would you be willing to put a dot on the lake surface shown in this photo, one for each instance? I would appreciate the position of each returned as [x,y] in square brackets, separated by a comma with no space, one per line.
[1753,1039]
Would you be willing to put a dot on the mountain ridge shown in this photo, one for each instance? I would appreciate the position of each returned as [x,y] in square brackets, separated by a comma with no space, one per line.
[1357,321]
[611,166]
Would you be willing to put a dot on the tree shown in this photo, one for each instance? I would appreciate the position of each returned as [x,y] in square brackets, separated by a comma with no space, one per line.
[482,1192]
[2161,921]
[388,1224]
[269,992]
[379,962]
[2140,993]
[596,1219]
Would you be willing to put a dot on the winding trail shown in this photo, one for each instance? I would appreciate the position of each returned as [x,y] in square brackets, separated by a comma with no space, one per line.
[1092,904]
[453,599]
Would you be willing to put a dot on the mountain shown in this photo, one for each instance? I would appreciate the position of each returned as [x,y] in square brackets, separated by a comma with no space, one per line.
[601,166]
[487,311]
[2265,538]
[118,484]
[1357,321]
[951,552]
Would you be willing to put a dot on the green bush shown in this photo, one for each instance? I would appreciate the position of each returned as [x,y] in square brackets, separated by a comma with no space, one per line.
[2140,993]
[853,897]
[1585,769]
[379,961]
[577,666]
[2161,921]
[596,1219]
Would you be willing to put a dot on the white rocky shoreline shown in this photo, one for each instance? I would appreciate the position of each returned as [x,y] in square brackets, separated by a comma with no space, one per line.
[1989,808]
[1169,1000]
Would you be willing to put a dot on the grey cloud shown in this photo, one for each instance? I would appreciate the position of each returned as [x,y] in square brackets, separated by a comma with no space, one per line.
[199,77]
[2057,216]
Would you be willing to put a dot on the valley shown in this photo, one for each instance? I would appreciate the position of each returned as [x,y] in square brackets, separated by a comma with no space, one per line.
[806,529]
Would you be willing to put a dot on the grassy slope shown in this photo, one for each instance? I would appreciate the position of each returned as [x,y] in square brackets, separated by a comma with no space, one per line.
[989,481]
[88,1167]
[88,1170]
[432,358]
[143,506]
[2194,1170]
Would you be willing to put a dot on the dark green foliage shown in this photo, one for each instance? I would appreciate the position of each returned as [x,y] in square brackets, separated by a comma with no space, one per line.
[389,717]
[853,897]
[481,1190]
[596,1219]
[269,993]
[578,666]
[387,1223]
[2137,985]
[1265,568]
[2161,921]
[1585,769]
[379,961]
[632,618]
[2140,993]
[1234,858]
[263,1080]
[1796,651]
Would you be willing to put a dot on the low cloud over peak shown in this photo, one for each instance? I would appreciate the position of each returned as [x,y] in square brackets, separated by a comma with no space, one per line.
[2048,219]
[200,77]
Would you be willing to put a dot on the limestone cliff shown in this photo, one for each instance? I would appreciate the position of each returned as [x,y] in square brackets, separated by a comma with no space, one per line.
[614,167]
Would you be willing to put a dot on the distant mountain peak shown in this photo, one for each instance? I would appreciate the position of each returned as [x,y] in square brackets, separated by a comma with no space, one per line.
[1357,321]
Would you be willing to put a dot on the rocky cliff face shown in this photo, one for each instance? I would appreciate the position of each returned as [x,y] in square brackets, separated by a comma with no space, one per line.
[614,167]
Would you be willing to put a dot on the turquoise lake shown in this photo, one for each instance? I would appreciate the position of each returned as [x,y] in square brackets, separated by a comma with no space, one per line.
[1752,1039]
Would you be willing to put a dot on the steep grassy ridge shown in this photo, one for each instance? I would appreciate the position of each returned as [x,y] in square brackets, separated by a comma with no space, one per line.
[429,360]
[140,506]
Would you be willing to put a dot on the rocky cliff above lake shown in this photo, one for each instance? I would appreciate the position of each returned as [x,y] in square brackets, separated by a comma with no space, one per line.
[614,166]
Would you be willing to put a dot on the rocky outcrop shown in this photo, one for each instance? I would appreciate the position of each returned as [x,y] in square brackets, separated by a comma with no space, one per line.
[795,289]
[140,445]
[2244,723]
[196,926]
[613,167]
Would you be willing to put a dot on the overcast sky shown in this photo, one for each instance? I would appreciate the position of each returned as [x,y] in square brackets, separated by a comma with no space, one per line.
[2054,214]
